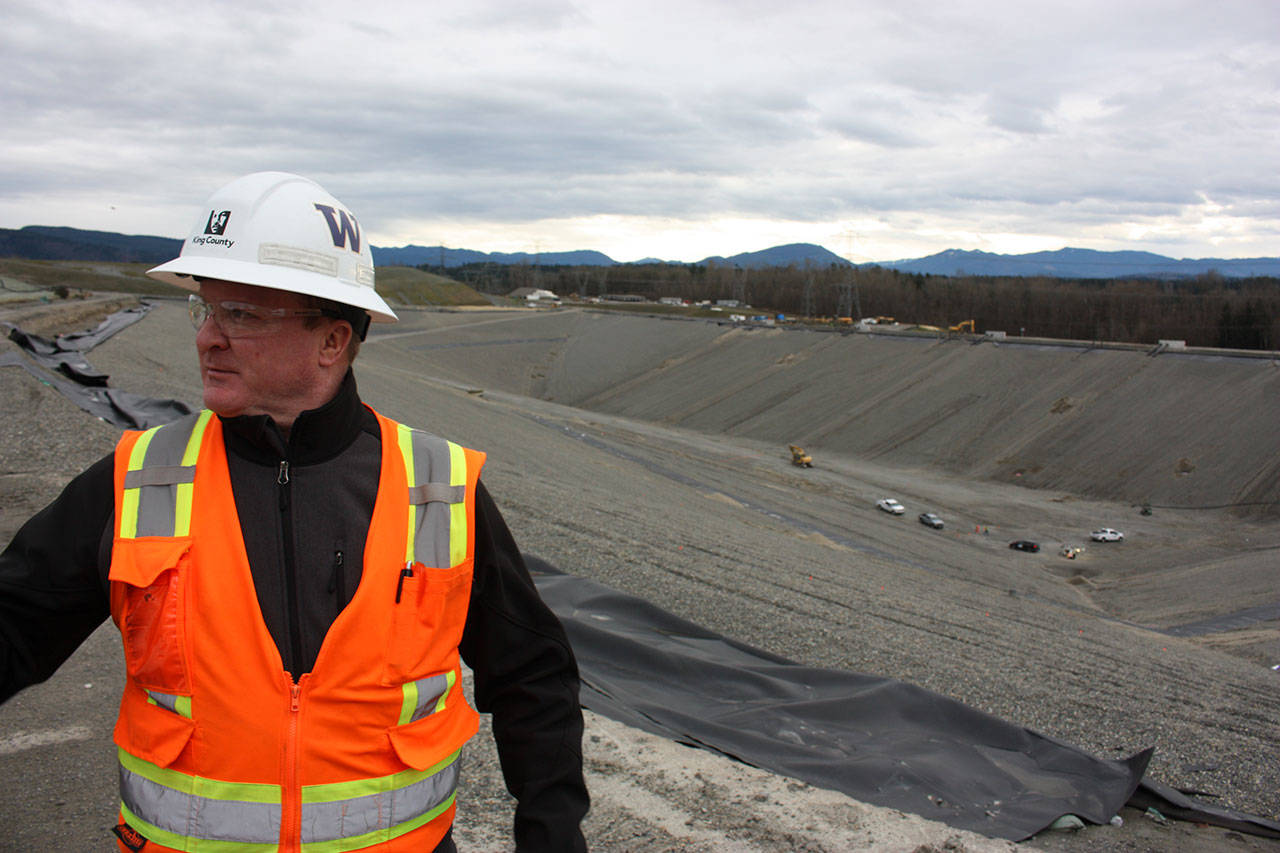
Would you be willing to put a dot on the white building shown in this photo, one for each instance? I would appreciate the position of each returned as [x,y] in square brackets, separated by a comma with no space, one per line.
[534,295]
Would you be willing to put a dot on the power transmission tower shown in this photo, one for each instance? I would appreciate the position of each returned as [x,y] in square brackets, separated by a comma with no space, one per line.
[853,274]
[845,307]
[808,294]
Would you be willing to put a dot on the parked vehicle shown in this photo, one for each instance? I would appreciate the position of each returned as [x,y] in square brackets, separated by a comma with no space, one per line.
[1024,545]
[1106,534]
[929,519]
[891,505]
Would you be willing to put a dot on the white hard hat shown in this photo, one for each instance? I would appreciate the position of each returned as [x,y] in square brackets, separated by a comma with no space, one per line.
[283,231]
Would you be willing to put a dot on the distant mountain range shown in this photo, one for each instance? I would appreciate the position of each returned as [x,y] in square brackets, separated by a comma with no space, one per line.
[40,242]
[779,256]
[439,256]
[46,243]
[1083,263]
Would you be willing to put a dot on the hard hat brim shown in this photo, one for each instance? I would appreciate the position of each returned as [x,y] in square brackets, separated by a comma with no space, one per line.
[180,271]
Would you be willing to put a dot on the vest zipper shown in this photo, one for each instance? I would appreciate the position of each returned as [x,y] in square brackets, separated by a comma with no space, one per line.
[291,795]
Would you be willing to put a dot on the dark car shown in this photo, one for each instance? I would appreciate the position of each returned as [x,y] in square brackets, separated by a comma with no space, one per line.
[1024,545]
[930,519]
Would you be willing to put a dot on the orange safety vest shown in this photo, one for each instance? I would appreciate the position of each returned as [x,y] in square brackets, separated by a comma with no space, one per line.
[220,750]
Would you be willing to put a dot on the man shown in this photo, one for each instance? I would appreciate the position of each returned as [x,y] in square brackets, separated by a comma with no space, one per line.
[295,578]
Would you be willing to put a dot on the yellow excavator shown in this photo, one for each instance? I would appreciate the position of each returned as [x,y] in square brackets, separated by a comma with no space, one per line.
[964,326]
[799,457]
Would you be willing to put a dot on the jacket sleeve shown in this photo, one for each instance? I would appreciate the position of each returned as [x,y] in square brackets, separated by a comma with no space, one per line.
[526,677]
[52,589]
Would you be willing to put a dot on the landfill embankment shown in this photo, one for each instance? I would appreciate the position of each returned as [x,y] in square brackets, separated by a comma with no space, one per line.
[642,454]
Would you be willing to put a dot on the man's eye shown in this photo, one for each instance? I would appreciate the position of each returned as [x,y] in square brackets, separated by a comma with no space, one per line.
[243,315]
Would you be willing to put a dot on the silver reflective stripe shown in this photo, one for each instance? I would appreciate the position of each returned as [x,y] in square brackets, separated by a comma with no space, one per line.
[180,705]
[202,818]
[160,476]
[164,700]
[438,492]
[167,475]
[384,810]
[429,692]
[433,475]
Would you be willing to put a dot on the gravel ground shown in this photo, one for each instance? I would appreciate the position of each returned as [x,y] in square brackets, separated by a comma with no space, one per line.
[720,529]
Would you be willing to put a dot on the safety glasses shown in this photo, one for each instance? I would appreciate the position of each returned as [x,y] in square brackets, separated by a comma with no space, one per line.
[243,319]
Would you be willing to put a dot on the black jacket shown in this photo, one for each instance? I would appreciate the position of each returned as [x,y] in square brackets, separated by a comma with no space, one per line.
[310,500]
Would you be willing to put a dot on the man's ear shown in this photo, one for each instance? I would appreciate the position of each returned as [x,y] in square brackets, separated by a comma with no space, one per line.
[333,348]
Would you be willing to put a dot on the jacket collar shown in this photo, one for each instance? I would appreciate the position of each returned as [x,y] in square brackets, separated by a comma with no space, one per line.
[317,434]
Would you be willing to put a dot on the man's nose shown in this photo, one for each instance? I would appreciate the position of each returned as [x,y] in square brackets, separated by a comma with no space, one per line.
[209,334]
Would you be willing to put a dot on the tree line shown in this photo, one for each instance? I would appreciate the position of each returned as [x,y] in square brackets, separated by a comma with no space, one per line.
[1208,310]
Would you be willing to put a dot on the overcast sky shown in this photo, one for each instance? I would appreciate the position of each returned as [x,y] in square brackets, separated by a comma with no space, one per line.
[679,129]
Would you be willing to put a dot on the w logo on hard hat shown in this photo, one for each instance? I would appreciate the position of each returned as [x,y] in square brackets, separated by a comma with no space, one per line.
[342,226]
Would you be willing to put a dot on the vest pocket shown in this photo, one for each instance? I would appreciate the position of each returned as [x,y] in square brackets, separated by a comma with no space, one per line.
[148,601]
[152,733]
[424,744]
[427,620]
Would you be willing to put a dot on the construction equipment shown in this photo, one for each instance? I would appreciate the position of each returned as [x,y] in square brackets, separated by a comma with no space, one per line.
[963,326]
[799,457]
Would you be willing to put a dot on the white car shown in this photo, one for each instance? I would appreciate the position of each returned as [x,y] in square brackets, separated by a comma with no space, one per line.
[891,505]
[1106,534]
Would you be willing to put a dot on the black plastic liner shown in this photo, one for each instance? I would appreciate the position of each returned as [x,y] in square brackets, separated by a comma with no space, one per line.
[879,740]
[87,387]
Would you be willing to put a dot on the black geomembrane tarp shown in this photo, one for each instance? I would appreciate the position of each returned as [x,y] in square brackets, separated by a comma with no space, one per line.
[60,363]
[879,740]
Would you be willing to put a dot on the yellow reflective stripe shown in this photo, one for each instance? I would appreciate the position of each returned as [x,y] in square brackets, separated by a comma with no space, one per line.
[413,697]
[409,701]
[405,439]
[139,451]
[182,509]
[129,507]
[449,679]
[182,842]
[211,789]
[192,453]
[376,785]
[356,842]
[181,704]
[458,511]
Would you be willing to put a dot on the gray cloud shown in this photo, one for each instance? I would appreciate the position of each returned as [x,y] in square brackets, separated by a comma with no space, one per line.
[1087,121]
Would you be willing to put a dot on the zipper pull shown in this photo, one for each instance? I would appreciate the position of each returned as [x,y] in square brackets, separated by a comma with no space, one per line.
[337,569]
[283,477]
[295,691]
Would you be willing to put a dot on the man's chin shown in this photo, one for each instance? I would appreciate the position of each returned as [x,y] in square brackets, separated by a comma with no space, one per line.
[219,404]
